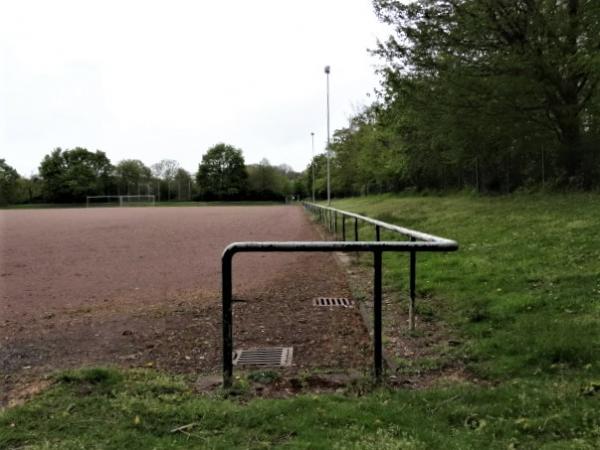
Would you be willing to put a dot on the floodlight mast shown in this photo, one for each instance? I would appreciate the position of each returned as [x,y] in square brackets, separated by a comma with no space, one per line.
[327,70]
[312,137]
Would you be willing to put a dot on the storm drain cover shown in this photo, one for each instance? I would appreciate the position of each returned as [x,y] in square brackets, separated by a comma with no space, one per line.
[333,301]
[265,357]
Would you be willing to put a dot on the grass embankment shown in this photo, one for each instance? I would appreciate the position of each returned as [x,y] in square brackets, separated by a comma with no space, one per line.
[523,294]
[524,288]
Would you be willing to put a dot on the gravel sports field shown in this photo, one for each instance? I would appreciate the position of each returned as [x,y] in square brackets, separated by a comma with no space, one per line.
[141,287]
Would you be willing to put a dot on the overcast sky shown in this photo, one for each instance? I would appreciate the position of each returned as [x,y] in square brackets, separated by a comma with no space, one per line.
[168,79]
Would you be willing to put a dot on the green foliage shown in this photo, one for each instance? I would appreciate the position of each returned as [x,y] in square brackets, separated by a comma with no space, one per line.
[95,376]
[164,186]
[184,185]
[264,376]
[132,177]
[70,175]
[222,174]
[366,157]
[8,183]
[512,71]
[492,96]
[267,182]
[28,190]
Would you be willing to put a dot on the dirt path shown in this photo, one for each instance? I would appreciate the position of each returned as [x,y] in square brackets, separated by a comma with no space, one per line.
[141,287]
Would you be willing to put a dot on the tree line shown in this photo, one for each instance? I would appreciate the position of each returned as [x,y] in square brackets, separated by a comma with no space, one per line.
[492,96]
[70,175]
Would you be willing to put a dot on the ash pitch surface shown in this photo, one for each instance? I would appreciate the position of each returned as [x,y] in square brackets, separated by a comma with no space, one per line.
[140,287]
[59,259]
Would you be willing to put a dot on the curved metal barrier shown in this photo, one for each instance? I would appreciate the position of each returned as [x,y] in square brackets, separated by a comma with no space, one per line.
[420,242]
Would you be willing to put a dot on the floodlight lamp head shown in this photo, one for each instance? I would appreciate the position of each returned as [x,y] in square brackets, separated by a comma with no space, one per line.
[327,69]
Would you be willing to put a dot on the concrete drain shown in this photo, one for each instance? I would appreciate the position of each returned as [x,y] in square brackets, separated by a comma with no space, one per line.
[264,357]
[333,301]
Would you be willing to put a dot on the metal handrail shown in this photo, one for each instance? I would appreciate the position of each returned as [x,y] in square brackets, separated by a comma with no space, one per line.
[334,246]
[419,235]
[431,244]
[329,215]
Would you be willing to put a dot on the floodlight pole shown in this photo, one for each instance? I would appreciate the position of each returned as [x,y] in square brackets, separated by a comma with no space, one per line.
[312,137]
[327,70]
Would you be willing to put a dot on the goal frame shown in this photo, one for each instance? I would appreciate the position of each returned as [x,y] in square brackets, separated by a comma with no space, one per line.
[149,198]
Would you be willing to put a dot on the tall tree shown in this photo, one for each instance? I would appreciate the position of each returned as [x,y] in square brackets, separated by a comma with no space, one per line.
[183,184]
[8,183]
[165,171]
[264,180]
[222,173]
[132,177]
[71,175]
[509,67]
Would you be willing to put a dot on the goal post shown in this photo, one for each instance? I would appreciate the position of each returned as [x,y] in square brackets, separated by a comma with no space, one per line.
[120,200]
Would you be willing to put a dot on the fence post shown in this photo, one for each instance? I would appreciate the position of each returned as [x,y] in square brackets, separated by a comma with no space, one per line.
[343,228]
[227,321]
[377,233]
[335,223]
[356,229]
[377,340]
[412,288]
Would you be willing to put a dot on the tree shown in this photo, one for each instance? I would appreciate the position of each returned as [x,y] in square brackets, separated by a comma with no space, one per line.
[513,72]
[131,176]
[29,190]
[319,163]
[71,175]
[183,183]
[165,171]
[8,183]
[222,173]
[265,182]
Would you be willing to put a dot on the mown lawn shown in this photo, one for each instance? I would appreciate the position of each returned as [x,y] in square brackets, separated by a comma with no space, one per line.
[522,294]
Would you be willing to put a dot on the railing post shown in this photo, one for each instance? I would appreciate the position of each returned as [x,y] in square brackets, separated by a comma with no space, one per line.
[356,229]
[343,227]
[412,288]
[377,233]
[377,340]
[335,223]
[227,321]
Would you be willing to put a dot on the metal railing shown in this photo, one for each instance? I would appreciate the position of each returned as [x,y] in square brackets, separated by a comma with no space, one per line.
[329,216]
[332,213]
[420,242]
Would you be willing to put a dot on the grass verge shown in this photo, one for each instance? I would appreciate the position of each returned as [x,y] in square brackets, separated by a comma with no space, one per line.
[523,291]
[103,408]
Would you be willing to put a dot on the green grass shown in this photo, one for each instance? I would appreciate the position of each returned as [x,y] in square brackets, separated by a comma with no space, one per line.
[102,408]
[522,295]
[524,288]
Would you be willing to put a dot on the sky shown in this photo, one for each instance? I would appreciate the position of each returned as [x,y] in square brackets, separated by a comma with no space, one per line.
[151,80]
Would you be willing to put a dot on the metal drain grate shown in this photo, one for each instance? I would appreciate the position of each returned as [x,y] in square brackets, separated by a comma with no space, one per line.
[333,301]
[264,357]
